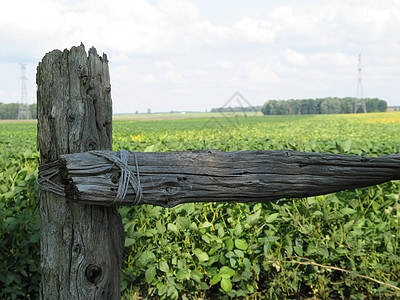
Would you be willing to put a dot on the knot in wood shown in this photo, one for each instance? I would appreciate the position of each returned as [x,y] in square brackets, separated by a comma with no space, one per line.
[71,116]
[91,144]
[93,273]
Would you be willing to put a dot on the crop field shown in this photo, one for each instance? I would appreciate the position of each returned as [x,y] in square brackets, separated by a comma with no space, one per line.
[343,245]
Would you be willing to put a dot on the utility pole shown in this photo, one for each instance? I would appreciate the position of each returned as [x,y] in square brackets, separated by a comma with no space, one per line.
[360,101]
[23,109]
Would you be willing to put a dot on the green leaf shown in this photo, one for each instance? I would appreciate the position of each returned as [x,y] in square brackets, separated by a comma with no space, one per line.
[253,219]
[206,224]
[246,275]
[257,269]
[215,279]
[172,293]
[318,213]
[160,227]
[323,251]
[205,238]
[238,229]
[163,266]
[129,242]
[183,274]
[193,226]
[182,263]
[232,262]
[221,232]
[153,148]
[9,195]
[201,255]
[247,263]
[172,227]
[267,248]
[183,223]
[155,211]
[239,253]
[162,288]
[226,284]
[150,274]
[226,272]
[23,272]
[241,244]
[228,244]
[196,275]
[298,250]
[342,250]
[271,218]
[28,153]
[348,211]
[347,145]
[147,257]
[311,249]
[204,286]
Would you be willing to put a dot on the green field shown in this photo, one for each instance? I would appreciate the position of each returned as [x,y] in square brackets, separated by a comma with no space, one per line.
[343,245]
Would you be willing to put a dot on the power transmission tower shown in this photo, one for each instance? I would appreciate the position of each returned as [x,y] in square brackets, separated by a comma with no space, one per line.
[23,109]
[360,101]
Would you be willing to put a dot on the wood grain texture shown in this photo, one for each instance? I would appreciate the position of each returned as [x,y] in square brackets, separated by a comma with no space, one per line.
[81,245]
[171,178]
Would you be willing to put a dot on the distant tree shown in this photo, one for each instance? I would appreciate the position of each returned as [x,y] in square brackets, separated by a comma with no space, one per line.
[382,106]
[293,107]
[33,110]
[346,105]
[375,105]
[272,107]
[9,111]
[329,105]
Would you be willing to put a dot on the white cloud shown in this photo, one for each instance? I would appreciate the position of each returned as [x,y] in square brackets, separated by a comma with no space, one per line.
[296,58]
[224,64]
[124,74]
[260,72]
[261,31]
[163,64]
[173,77]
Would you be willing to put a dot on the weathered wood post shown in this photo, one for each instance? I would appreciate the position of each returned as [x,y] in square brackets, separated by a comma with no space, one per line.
[81,245]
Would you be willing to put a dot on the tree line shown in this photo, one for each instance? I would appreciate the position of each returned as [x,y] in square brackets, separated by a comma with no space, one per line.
[9,111]
[321,106]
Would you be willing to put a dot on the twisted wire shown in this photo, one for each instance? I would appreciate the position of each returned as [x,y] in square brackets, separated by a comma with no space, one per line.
[127,176]
[46,173]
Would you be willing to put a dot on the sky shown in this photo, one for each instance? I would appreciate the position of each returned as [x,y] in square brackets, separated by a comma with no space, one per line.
[193,55]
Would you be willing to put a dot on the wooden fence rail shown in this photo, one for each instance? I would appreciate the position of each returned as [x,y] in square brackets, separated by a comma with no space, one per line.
[171,178]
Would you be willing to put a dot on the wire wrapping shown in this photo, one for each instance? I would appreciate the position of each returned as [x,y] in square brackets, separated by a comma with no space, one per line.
[48,173]
[127,176]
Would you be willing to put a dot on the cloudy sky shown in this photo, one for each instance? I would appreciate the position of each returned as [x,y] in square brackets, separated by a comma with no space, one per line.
[194,54]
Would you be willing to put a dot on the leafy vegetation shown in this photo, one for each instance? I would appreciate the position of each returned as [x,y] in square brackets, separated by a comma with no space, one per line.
[9,111]
[19,215]
[343,245]
[320,106]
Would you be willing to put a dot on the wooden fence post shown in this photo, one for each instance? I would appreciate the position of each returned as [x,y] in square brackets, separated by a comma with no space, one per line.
[81,245]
